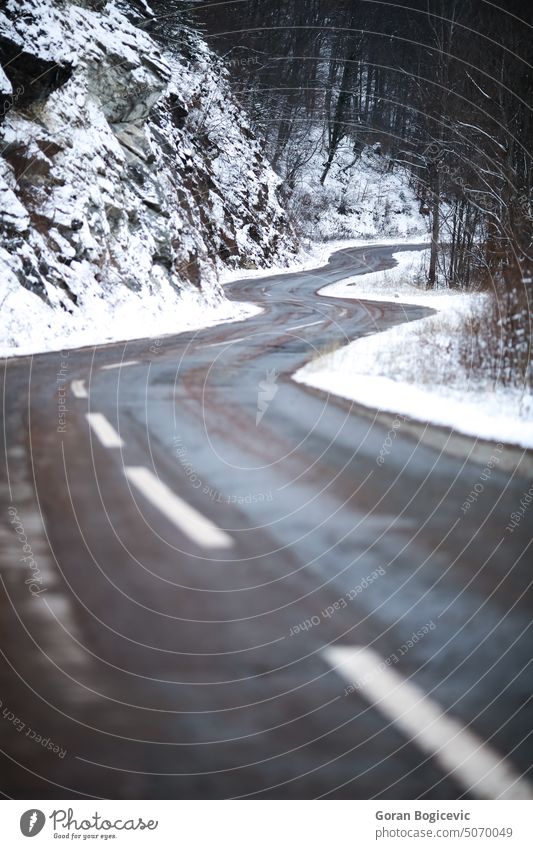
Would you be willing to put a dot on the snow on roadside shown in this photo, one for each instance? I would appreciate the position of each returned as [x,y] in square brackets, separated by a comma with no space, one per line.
[414,369]
[395,283]
[317,254]
[34,327]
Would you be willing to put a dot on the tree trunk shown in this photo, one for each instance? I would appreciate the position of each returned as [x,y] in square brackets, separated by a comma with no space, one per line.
[435,232]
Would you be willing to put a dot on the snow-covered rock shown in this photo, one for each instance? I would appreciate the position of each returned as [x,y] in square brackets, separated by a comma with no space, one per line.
[5,86]
[127,171]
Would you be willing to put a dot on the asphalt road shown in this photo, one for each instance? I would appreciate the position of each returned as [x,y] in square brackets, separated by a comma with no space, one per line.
[198,545]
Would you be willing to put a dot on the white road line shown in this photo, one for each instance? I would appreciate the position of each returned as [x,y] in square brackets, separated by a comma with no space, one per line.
[244,338]
[470,761]
[78,388]
[104,431]
[120,365]
[217,344]
[301,326]
[200,530]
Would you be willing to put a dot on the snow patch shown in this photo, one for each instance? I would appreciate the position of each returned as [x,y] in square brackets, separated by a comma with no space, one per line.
[413,369]
[35,327]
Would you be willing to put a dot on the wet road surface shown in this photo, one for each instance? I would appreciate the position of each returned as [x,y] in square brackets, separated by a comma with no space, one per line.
[225,595]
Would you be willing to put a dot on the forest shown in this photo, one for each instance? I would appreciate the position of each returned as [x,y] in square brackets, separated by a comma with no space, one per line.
[439,88]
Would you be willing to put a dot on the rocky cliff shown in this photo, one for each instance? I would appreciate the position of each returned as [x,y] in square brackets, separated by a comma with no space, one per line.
[128,174]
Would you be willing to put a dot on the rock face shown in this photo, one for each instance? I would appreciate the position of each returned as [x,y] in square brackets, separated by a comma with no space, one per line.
[30,78]
[122,165]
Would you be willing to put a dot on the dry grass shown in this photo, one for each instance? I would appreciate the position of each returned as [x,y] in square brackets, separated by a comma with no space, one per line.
[497,340]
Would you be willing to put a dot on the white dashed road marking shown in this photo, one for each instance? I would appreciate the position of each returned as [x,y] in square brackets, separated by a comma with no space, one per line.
[461,753]
[301,326]
[120,365]
[200,530]
[78,388]
[105,432]
[229,342]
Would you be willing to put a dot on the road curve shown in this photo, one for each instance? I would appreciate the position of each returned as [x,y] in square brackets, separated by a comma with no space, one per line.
[212,589]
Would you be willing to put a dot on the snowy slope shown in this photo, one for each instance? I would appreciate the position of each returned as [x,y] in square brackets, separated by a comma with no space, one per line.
[129,178]
[361,196]
[416,369]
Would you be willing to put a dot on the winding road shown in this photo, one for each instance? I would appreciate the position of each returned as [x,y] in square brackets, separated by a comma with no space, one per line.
[224,594]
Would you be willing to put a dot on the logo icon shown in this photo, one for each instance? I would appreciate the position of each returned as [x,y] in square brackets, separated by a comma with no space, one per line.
[32,822]
[267,392]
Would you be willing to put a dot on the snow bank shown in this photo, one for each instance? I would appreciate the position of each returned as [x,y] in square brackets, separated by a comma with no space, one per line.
[35,327]
[414,369]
